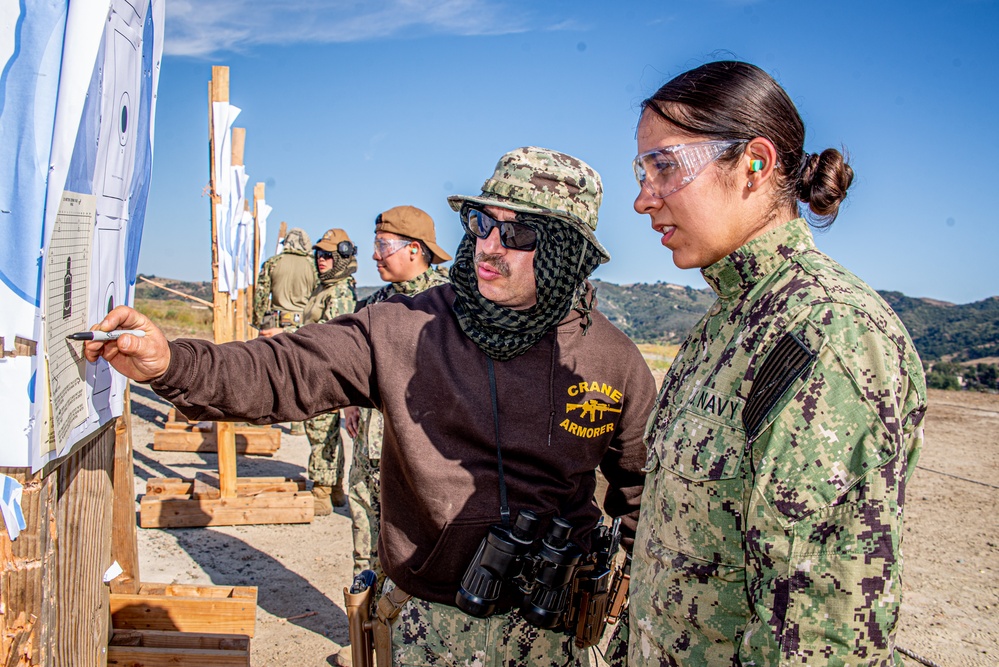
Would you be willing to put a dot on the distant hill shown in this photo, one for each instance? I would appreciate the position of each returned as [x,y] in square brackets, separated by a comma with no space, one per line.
[944,331]
[662,312]
[365,292]
[145,290]
[653,312]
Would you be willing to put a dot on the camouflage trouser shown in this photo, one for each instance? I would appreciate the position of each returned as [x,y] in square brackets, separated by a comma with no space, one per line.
[427,633]
[363,493]
[326,462]
[614,646]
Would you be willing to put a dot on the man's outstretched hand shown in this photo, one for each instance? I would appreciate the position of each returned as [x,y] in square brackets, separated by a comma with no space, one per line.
[141,359]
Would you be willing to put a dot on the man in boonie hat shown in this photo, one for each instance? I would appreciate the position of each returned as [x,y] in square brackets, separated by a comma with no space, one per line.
[521,296]
[501,392]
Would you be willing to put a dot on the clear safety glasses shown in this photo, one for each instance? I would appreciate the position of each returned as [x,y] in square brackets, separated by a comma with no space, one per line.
[512,235]
[385,248]
[665,170]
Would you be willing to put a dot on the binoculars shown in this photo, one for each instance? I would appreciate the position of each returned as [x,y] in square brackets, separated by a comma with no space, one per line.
[513,568]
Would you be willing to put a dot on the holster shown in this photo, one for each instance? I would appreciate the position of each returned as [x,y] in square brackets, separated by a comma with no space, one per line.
[598,596]
[279,319]
[268,321]
[588,605]
[359,625]
[367,633]
[618,595]
[286,319]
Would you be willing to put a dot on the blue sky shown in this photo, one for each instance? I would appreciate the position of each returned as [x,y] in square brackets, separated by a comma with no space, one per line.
[352,108]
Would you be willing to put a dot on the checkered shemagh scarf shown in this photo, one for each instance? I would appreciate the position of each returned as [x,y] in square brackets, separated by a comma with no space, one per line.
[562,263]
[341,269]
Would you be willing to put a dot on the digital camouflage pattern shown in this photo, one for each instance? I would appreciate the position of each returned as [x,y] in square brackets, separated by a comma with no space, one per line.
[427,633]
[326,459]
[331,299]
[544,182]
[285,281]
[364,482]
[784,550]
[364,491]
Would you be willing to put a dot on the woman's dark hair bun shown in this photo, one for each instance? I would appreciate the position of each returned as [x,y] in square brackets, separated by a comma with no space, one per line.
[822,184]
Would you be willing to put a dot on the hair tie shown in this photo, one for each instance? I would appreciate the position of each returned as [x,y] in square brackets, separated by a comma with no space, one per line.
[806,158]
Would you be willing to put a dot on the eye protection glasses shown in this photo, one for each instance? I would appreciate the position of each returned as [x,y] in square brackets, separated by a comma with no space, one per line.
[512,235]
[665,170]
[385,248]
[345,249]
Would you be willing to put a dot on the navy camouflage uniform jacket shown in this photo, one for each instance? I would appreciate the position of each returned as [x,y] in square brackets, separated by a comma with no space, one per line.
[779,451]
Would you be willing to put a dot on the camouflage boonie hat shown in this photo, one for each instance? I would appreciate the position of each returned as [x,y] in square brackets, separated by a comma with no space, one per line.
[544,182]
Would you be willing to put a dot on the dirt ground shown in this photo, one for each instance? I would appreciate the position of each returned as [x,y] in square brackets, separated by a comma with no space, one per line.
[950,612]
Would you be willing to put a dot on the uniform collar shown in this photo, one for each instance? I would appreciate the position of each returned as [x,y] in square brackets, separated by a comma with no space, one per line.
[417,284]
[739,271]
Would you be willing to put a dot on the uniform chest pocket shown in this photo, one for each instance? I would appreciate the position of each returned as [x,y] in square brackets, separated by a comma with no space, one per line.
[706,442]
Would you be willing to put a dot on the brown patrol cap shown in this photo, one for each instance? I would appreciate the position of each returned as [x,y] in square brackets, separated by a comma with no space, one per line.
[414,223]
[331,239]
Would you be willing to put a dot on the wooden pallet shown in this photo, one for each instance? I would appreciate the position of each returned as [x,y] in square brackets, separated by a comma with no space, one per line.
[154,648]
[230,610]
[181,435]
[178,503]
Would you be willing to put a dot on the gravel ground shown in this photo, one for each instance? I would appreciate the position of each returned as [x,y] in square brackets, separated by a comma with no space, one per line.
[950,612]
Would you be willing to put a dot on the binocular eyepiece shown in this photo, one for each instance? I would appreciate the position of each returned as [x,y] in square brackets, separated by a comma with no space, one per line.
[511,568]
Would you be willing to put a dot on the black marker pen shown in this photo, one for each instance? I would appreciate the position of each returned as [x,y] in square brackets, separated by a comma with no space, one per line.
[105,335]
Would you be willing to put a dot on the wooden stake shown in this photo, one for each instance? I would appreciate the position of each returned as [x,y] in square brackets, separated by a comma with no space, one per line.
[239,312]
[219,92]
[124,547]
[258,197]
[282,232]
[238,147]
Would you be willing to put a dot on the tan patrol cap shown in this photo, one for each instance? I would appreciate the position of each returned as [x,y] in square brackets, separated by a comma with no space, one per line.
[331,239]
[414,223]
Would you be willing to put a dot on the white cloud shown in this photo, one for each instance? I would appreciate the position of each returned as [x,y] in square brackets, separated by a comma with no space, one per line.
[210,27]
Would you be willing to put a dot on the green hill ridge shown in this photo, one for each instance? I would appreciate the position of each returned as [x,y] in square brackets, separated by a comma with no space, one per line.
[663,312]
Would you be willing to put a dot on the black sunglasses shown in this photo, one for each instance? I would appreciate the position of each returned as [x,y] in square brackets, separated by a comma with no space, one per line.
[345,249]
[512,235]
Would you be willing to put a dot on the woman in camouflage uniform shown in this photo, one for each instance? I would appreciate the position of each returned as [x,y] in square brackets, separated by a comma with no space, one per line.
[336,262]
[405,250]
[791,419]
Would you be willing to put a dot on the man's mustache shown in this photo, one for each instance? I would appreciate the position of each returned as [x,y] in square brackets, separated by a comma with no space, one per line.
[495,261]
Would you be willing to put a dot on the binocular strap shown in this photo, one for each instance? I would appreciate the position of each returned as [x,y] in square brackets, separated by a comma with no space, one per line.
[504,505]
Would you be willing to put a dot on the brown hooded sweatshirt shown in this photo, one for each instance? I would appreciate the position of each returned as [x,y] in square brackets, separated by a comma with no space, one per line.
[569,404]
